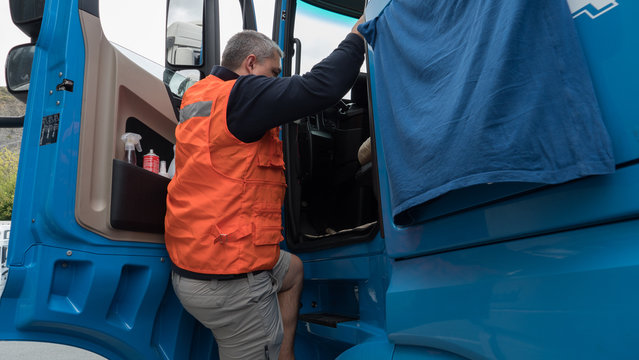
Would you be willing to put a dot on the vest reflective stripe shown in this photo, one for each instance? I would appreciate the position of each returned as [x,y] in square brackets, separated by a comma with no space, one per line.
[200,108]
[224,202]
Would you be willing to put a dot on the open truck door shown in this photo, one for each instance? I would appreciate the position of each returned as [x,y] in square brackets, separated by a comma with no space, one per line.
[87,264]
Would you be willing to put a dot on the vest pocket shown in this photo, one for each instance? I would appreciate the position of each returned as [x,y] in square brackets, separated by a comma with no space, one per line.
[268,223]
[270,153]
[241,232]
[268,236]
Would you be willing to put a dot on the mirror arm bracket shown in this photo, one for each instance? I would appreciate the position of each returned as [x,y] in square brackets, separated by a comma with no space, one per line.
[11,122]
[65,85]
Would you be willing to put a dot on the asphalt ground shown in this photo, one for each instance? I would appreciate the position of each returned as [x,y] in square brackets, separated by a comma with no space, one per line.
[29,350]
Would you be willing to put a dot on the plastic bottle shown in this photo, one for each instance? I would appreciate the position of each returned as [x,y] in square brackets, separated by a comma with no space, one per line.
[131,143]
[163,169]
[171,171]
[152,162]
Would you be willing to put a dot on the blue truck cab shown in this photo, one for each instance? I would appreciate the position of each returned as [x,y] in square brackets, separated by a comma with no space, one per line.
[504,270]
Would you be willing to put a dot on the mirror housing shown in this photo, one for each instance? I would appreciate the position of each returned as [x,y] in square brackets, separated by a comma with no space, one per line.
[184,33]
[18,70]
[27,16]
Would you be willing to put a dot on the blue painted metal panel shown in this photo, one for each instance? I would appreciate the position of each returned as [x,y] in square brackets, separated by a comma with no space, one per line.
[369,350]
[352,333]
[421,353]
[70,295]
[612,51]
[575,204]
[358,292]
[282,35]
[357,268]
[567,295]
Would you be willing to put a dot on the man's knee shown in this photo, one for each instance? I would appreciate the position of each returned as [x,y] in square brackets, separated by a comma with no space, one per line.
[296,268]
[294,275]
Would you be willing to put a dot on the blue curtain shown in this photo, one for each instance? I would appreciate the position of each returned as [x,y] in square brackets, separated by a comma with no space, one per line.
[472,92]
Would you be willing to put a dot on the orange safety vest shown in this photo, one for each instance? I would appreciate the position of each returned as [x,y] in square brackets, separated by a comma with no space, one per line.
[224,202]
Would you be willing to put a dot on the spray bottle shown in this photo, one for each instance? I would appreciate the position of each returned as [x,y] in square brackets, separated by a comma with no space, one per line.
[131,143]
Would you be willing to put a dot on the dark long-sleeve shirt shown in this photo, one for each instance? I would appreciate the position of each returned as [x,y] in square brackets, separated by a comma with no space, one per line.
[259,103]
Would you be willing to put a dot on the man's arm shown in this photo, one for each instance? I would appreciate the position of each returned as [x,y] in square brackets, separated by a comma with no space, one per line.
[259,103]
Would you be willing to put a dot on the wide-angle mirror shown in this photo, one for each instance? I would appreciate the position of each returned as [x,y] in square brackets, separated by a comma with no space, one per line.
[18,70]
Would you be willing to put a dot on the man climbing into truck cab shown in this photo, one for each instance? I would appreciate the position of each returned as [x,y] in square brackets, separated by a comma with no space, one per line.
[223,221]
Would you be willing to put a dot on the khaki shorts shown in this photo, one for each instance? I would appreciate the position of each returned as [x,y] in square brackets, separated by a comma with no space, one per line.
[243,314]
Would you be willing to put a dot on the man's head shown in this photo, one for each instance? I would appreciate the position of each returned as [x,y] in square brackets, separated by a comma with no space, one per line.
[250,52]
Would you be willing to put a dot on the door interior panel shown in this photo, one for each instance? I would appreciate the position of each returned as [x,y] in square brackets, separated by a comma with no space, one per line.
[116,90]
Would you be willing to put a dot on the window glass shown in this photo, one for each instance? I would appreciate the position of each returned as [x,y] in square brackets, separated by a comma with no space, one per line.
[264,10]
[230,21]
[320,32]
[136,25]
[178,81]
[147,64]
[143,41]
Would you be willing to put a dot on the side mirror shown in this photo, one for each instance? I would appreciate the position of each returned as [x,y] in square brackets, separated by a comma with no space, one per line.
[18,70]
[184,32]
[27,16]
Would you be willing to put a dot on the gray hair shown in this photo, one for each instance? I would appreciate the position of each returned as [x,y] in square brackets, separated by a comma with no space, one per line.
[246,43]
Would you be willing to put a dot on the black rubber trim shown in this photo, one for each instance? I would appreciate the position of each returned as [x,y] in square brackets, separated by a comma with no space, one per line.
[275,34]
[375,161]
[304,243]
[248,15]
[326,319]
[352,8]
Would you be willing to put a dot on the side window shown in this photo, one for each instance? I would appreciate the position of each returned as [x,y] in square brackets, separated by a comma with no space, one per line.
[143,41]
[320,32]
[264,16]
[123,27]
[230,21]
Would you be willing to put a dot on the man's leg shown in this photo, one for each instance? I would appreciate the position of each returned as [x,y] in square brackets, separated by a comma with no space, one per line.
[243,314]
[289,298]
